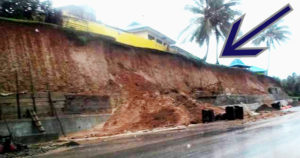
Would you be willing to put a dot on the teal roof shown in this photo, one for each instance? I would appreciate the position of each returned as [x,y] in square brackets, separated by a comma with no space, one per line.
[238,63]
[256,69]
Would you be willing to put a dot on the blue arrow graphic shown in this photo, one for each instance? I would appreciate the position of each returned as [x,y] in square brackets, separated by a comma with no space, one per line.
[232,48]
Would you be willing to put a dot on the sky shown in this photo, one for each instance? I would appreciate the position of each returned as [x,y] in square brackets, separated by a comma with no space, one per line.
[170,18]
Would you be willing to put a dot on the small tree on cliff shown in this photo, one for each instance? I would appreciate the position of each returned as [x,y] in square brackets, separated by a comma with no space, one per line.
[213,17]
[20,9]
[29,10]
[273,34]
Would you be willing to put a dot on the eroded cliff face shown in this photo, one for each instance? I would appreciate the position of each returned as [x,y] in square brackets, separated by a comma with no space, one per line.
[142,84]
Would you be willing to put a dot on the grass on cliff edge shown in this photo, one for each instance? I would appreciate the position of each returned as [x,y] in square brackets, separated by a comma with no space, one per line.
[29,22]
[80,37]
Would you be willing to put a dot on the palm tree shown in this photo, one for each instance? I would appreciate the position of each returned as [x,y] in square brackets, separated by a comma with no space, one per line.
[212,16]
[273,34]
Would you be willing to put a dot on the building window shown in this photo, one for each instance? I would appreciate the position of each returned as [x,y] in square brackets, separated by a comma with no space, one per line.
[159,41]
[151,37]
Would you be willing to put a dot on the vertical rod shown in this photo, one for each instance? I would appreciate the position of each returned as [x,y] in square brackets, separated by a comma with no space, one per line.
[53,111]
[50,100]
[32,91]
[8,129]
[17,96]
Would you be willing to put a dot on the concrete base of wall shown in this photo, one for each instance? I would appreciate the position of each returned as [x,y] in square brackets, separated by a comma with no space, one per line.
[25,130]
[250,102]
[36,138]
[246,107]
[222,100]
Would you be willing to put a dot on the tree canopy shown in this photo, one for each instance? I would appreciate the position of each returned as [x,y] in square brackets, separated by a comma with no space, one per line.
[213,17]
[274,34]
[292,84]
[271,36]
[29,10]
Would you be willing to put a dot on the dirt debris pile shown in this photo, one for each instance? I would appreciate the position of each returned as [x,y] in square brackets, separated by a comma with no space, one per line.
[147,107]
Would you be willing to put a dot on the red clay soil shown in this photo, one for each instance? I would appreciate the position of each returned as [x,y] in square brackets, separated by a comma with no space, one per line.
[147,108]
[50,57]
[147,88]
[157,111]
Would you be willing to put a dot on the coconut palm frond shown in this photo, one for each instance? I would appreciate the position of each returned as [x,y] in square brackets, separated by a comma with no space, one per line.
[193,9]
[274,33]
[216,17]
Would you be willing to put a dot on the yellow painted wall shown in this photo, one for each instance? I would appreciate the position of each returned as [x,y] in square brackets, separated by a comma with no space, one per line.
[120,36]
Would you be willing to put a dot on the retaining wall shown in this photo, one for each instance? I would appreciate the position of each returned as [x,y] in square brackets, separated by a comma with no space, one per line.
[25,128]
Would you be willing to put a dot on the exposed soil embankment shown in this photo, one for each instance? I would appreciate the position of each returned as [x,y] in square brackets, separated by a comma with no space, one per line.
[147,88]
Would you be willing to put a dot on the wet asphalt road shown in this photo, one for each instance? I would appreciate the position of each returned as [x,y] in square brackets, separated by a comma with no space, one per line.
[274,138]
